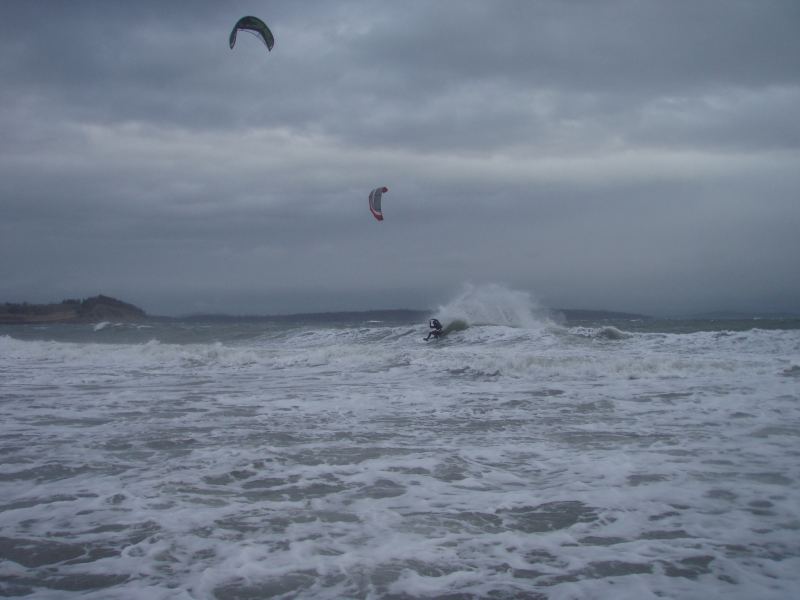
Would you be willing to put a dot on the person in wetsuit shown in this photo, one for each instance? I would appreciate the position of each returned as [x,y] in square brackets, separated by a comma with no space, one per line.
[436,329]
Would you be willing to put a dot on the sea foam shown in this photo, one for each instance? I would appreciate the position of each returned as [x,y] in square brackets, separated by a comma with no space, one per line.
[512,459]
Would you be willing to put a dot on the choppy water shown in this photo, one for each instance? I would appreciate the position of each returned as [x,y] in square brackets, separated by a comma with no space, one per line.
[246,460]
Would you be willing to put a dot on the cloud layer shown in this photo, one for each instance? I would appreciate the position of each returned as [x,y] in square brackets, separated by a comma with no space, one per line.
[626,155]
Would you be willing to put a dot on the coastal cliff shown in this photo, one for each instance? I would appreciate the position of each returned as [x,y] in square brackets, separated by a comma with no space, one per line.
[96,308]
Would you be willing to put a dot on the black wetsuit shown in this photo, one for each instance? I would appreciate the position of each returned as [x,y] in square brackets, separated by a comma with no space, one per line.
[436,329]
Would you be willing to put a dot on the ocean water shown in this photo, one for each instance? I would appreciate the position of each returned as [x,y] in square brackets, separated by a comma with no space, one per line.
[519,457]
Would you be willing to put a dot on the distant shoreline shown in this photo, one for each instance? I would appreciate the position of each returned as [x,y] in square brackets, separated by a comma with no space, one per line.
[96,308]
[106,308]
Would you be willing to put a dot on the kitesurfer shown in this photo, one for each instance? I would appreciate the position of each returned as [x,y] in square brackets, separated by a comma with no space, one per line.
[436,329]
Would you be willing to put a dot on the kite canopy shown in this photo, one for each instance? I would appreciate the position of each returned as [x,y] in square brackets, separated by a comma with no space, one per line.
[375,202]
[255,26]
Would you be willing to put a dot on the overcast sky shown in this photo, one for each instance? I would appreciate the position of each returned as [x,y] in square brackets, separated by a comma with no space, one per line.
[627,154]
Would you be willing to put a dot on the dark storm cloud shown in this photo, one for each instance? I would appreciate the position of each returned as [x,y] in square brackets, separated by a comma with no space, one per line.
[632,155]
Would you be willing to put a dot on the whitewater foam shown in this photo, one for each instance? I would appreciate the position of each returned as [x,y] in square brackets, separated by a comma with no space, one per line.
[511,460]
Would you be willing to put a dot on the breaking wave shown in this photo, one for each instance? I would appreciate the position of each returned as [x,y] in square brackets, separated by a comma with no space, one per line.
[493,304]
